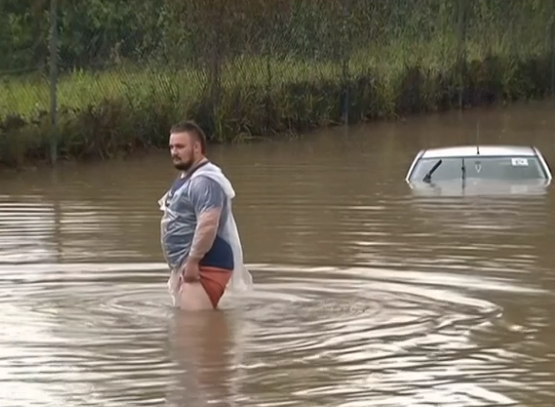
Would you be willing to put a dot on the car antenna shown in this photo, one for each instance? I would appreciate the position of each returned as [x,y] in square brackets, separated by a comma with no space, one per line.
[477,137]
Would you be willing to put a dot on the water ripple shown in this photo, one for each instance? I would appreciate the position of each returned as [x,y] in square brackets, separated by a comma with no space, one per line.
[314,335]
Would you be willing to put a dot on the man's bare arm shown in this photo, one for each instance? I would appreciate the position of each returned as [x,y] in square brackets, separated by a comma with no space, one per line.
[205,233]
[208,199]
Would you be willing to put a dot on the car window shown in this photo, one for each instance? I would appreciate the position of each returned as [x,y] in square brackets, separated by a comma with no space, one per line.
[502,168]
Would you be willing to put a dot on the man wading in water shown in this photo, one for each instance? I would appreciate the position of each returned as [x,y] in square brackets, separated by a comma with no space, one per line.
[199,236]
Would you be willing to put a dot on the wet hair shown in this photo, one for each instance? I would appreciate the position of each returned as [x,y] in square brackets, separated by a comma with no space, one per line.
[193,129]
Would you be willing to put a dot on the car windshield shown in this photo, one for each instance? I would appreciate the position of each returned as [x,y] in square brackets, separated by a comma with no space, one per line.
[512,168]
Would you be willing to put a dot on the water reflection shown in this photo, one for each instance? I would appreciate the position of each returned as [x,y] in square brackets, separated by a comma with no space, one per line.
[461,188]
[204,347]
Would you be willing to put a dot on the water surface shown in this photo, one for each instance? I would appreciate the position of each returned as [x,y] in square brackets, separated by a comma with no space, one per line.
[367,293]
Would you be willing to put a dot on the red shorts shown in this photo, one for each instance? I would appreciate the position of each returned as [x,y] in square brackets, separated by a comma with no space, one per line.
[214,281]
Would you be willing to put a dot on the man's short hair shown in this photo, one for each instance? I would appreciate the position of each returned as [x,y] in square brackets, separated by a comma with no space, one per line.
[192,128]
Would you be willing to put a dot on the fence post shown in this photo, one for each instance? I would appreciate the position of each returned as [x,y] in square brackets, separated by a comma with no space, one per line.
[215,41]
[345,60]
[552,46]
[53,81]
[461,37]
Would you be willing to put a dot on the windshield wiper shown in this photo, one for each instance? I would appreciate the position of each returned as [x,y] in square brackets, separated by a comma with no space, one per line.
[428,176]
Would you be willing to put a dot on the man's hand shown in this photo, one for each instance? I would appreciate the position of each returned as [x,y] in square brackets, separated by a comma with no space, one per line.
[191,272]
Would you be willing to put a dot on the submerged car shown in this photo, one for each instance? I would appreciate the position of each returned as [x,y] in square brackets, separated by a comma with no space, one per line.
[484,169]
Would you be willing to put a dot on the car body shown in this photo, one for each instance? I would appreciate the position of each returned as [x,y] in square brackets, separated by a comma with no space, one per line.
[489,169]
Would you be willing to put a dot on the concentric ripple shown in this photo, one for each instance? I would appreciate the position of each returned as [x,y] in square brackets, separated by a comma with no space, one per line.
[320,336]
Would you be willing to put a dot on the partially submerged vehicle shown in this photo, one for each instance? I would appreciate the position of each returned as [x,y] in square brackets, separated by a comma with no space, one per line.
[490,169]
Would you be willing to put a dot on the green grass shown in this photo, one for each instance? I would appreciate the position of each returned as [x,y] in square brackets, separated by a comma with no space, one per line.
[119,111]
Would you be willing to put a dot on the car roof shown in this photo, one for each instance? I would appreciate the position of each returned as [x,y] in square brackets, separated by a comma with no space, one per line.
[474,151]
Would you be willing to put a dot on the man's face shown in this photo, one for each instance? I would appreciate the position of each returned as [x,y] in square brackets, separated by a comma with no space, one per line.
[184,150]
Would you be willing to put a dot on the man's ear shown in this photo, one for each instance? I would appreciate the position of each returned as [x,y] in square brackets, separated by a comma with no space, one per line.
[197,147]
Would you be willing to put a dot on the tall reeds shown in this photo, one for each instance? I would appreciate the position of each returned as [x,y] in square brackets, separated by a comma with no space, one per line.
[281,67]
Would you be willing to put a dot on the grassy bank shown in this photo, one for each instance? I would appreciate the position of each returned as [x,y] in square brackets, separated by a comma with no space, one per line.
[127,109]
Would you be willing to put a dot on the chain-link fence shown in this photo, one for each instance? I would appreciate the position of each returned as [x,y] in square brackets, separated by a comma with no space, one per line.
[84,78]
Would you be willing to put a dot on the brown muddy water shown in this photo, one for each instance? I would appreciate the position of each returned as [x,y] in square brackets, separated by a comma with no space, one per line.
[367,294]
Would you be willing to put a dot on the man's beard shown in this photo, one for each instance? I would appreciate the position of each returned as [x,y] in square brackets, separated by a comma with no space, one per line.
[184,165]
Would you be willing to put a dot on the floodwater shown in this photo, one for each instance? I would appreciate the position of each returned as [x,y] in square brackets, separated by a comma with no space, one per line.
[367,293]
